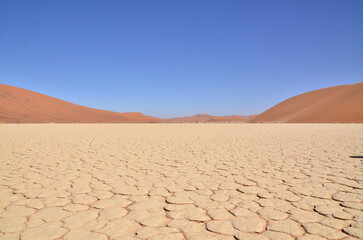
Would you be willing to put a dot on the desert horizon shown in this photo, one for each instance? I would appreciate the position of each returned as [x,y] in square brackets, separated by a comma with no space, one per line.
[181,120]
[339,104]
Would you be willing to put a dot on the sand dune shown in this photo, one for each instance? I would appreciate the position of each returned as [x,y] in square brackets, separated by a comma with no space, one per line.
[209,118]
[334,104]
[19,105]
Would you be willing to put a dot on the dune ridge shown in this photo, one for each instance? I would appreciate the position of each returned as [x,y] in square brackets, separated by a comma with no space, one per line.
[18,105]
[343,104]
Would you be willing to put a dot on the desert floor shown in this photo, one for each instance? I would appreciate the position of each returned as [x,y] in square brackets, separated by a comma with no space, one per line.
[181,181]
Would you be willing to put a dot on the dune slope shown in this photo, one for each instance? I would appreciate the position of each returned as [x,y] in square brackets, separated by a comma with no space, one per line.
[19,105]
[342,104]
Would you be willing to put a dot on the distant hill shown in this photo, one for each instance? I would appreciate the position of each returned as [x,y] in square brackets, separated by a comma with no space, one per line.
[334,104]
[18,105]
[209,118]
[195,118]
[232,118]
[343,104]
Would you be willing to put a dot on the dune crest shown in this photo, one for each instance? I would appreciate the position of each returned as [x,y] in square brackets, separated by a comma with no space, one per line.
[18,105]
[343,104]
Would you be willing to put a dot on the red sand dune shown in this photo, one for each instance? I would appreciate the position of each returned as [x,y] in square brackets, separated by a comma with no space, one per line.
[334,104]
[210,118]
[19,105]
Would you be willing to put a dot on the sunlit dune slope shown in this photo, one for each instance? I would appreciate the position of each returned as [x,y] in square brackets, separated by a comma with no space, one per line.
[334,104]
[19,105]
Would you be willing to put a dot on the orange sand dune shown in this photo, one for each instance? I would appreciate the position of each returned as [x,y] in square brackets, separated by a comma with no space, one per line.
[19,105]
[342,104]
[210,118]
[335,104]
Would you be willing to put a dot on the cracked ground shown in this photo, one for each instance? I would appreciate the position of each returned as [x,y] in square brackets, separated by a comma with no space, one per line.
[181,181]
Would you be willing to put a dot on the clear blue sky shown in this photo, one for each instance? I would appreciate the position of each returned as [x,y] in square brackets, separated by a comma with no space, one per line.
[176,58]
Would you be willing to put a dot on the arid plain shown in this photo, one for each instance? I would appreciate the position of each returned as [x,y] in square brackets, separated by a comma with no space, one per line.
[181,181]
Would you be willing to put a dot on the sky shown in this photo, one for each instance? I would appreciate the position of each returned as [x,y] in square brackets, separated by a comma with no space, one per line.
[178,58]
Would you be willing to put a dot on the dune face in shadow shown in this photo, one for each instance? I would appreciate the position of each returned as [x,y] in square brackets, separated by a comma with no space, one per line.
[343,104]
[19,105]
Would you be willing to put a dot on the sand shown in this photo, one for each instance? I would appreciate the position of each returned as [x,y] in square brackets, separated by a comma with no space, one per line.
[181,181]
[18,105]
[341,104]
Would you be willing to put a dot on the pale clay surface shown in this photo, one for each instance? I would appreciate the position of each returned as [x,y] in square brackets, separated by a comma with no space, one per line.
[181,181]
